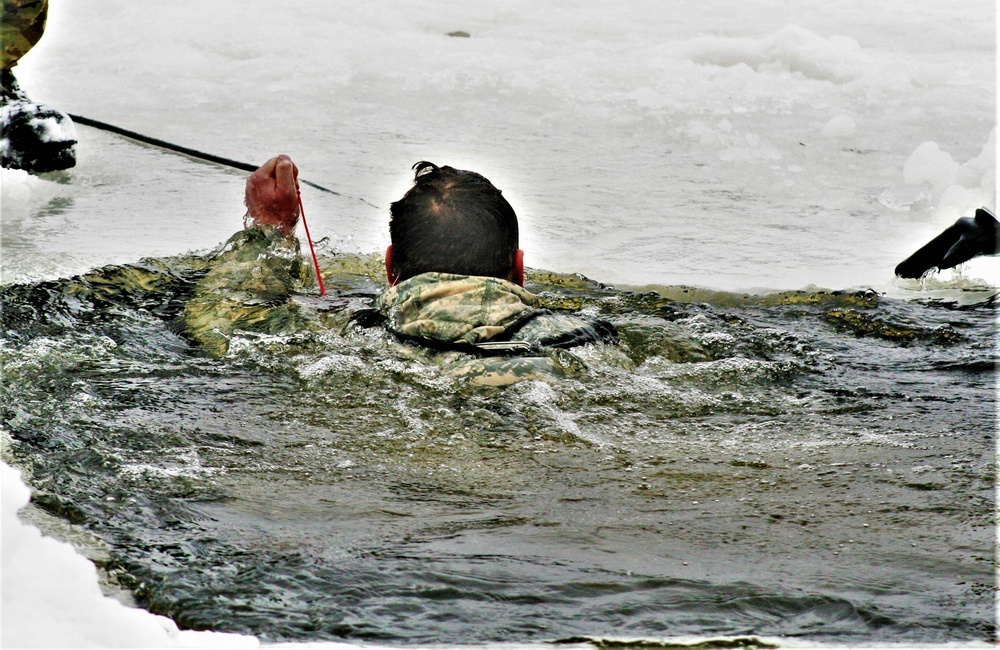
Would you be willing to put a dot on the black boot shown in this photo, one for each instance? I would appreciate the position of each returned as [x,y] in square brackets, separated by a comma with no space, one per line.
[33,137]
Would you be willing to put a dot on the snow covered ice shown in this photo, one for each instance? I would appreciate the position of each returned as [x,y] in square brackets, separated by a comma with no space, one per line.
[712,144]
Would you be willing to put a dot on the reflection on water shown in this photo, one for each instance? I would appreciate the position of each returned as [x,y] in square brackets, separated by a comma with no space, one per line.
[814,464]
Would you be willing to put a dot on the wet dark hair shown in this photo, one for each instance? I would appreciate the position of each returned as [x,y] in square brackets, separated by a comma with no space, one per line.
[452,221]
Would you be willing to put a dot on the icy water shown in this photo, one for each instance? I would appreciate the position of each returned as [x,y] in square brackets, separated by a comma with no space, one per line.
[802,464]
[810,462]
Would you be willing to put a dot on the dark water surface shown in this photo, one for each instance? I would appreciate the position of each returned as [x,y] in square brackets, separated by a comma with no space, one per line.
[806,464]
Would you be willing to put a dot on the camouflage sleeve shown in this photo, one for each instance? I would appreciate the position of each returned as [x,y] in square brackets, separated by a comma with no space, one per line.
[22,26]
[247,288]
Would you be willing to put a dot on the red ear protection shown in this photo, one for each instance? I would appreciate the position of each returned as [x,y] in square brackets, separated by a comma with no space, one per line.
[390,272]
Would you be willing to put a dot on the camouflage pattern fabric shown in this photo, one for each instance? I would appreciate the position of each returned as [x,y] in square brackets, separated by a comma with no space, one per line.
[22,26]
[494,370]
[454,308]
[256,282]
[469,312]
[249,287]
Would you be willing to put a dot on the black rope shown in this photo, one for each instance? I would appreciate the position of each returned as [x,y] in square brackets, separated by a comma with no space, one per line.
[194,153]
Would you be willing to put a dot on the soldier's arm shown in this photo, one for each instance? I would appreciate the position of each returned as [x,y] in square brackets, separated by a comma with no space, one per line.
[257,270]
[247,288]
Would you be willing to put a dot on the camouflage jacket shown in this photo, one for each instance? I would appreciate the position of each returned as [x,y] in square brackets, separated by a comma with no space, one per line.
[247,287]
[488,329]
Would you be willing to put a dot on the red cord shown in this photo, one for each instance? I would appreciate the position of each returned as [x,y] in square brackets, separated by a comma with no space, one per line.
[319,276]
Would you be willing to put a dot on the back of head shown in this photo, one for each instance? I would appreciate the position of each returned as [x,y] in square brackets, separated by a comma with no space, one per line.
[452,221]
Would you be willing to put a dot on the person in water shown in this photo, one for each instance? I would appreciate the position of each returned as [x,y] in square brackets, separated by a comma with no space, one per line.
[34,137]
[454,269]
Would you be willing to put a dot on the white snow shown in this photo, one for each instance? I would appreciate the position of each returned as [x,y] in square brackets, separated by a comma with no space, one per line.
[928,164]
[842,126]
[790,49]
[956,189]
[704,142]
[52,129]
